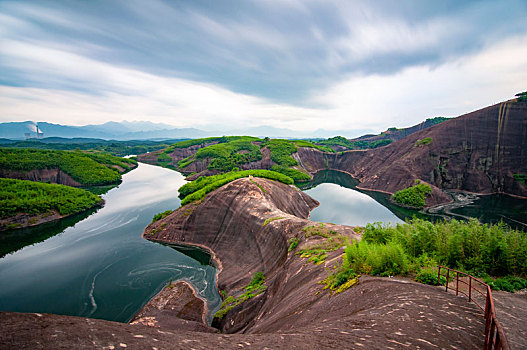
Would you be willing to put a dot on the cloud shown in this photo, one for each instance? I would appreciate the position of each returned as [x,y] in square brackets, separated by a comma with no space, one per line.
[356,102]
[302,65]
[451,89]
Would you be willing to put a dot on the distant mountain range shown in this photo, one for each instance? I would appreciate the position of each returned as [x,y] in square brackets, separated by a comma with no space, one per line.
[144,130]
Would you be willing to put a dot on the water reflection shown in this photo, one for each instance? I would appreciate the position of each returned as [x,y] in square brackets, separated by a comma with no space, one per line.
[340,203]
[102,267]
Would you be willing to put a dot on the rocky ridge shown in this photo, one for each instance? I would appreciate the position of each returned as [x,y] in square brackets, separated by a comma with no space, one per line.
[477,152]
[246,225]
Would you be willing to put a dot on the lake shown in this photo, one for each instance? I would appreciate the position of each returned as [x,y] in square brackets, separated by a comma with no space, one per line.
[101,267]
[342,203]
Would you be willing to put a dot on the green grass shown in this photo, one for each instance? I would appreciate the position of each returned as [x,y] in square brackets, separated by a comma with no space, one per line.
[163,157]
[162,215]
[254,288]
[194,142]
[418,246]
[22,196]
[424,141]
[268,220]
[86,168]
[206,185]
[281,151]
[317,253]
[296,175]
[413,196]
[337,141]
[183,163]
[522,96]
[521,178]
[309,144]
[293,242]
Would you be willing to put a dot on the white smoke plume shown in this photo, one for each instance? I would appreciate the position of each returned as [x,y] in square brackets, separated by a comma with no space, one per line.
[32,126]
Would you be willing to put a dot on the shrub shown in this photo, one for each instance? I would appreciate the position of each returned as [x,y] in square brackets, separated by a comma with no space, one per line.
[493,249]
[162,215]
[424,141]
[82,167]
[281,151]
[377,259]
[208,185]
[254,288]
[429,276]
[268,220]
[23,196]
[413,196]
[296,175]
[293,242]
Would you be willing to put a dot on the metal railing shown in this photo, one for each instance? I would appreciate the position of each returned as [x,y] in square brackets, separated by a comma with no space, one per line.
[477,291]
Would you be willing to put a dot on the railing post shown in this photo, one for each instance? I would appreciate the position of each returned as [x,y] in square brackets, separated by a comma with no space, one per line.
[457,283]
[469,288]
[447,276]
[438,275]
[491,333]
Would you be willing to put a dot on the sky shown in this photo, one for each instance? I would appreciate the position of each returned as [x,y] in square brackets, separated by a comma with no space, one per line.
[348,66]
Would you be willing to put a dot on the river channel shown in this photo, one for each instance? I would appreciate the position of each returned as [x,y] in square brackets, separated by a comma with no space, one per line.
[101,267]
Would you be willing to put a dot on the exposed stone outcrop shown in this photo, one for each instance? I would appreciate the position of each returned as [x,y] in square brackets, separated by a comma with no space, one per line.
[477,152]
[231,222]
[55,175]
[294,312]
[175,307]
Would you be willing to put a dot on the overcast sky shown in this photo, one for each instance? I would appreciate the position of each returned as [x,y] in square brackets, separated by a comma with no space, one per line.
[303,65]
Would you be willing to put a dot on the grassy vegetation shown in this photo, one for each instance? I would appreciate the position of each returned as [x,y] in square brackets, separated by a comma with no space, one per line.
[424,141]
[162,215]
[229,153]
[281,151]
[437,120]
[361,144]
[163,157]
[337,141]
[296,175]
[207,185]
[89,169]
[293,242]
[115,148]
[418,246]
[183,163]
[268,220]
[522,96]
[22,196]
[521,178]
[317,253]
[194,142]
[254,288]
[413,196]
[309,144]
[110,160]
[227,156]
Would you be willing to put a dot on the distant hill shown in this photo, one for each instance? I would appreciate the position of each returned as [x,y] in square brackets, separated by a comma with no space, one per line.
[144,130]
[108,131]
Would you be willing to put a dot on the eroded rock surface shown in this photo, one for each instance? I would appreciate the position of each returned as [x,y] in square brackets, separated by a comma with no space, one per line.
[294,312]
[176,307]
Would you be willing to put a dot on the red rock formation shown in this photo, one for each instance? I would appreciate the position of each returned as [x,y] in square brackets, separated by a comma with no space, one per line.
[294,311]
[42,175]
[477,152]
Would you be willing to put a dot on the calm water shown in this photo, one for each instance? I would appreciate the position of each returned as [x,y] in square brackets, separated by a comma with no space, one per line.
[102,267]
[341,204]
